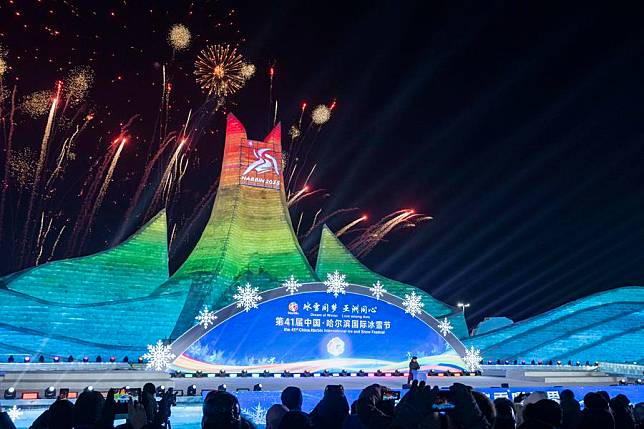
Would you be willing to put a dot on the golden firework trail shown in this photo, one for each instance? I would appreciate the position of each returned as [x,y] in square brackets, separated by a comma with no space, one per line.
[41,161]
[53,248]
[296,196]
[299,122]
[103,190]
[42,237]
[377,232]
[323,220]
[350,225]
[143,184]
[8,151]
[162,190]
[299,222]
[108,177]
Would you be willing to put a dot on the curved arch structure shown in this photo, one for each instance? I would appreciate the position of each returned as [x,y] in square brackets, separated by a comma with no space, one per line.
[302,346]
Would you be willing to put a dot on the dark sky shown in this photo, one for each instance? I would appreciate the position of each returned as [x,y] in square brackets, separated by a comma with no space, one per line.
[517,125]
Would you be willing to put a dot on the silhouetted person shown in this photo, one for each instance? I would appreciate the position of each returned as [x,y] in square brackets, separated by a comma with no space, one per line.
[604,394]
[331,411]
[596,414]
[221,411]
[486,406]
[373,411]
[415,409]
[274,415]
[620,406]
[532,398]
[292,398]
[87,409]
[61,414]
[296,420]
[543,414]
[353,420]
[638,415]
[414,366]
[505,417]
[570,410]
[149,401]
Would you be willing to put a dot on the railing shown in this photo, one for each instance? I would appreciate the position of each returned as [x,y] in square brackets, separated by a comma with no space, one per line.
[622,369]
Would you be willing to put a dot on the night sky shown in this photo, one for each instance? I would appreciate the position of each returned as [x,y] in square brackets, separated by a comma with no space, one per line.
[518,126]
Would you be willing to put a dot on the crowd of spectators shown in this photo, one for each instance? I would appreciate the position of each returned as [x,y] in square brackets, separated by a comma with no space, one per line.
[422,407]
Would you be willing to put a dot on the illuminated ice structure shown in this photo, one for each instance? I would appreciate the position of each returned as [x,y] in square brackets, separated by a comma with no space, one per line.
[103,304]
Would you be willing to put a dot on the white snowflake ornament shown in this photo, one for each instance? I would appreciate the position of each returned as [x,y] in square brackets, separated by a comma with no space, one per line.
[291,284]
[256,414]
[14,413]
[472,359]
[336,283]
[247,297]
[445,327]
[413,304]
[159,356]
[206,317]
[378,290]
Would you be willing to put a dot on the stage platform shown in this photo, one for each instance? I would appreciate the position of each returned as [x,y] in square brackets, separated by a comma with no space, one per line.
[495,381]
[102,376]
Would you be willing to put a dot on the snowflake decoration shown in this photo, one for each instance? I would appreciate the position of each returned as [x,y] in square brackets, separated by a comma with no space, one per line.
[378,290]
[159,356]
[413,304]
[445,326]
[247,297]
[14,413]
[336,284]
[291,284]
[472,359]
[206,317]
[256,414]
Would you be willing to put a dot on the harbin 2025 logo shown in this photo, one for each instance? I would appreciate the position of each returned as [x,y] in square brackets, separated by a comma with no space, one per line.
[262,165]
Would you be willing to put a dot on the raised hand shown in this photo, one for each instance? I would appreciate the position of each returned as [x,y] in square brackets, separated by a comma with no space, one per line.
[136,416]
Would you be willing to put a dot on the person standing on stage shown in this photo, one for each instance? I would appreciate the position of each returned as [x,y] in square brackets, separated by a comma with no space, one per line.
[414,366]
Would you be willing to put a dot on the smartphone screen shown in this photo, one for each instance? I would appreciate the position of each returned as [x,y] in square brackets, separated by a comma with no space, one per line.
[390,394]
[63,394]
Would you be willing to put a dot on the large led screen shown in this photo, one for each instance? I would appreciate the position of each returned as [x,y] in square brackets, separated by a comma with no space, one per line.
[315,331]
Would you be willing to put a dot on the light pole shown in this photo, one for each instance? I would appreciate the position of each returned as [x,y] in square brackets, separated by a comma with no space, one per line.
[463,306]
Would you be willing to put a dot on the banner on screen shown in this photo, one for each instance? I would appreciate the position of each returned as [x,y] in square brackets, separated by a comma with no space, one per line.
[315,331]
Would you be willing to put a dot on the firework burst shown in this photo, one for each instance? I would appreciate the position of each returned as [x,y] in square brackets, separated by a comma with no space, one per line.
[3,62]
[37,103]
[321,115]
[179,37]
[218,70]
[294,132]
[21,167]
[247,71]
[78,83]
